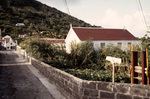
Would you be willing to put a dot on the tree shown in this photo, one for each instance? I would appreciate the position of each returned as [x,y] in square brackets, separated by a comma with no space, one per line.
[30,29]
[145,41]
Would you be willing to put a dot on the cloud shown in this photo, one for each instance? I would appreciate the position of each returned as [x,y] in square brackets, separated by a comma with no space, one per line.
[111,18]
[132,22]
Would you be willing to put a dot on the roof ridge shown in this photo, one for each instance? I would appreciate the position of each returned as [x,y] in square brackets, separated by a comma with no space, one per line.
[51,39]
[98,28]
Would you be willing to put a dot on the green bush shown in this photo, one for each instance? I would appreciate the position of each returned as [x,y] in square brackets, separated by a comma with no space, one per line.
[82,54]
[96,75]
[114,51]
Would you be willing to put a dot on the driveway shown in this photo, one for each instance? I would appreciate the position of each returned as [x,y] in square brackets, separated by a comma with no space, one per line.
[17,81]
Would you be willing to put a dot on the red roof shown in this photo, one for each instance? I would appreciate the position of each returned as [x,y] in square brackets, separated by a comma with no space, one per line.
[2,40]
[55,40]
[103,34]
[7,39]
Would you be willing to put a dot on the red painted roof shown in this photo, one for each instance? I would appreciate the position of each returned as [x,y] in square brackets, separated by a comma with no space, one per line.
[103,34]
[7,39]
[2,40]
[54,40]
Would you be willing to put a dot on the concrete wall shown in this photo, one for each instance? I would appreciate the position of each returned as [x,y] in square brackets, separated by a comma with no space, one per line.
[75,88]
[23,53]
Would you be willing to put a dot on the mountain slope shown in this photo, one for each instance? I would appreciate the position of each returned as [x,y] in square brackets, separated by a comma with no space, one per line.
[37,17]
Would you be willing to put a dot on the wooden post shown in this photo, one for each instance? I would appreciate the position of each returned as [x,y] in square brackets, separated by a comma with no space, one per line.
[147,71]
[131,65]
[144,78]
[113,73]
[134,62]
[113,60]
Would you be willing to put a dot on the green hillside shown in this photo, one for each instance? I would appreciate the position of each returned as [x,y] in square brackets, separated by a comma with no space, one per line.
[37,17]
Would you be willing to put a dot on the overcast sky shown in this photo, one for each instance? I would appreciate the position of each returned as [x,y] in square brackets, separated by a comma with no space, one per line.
[108,13]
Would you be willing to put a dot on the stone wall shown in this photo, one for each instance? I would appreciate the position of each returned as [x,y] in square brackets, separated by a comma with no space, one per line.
[24,53]
[75,88]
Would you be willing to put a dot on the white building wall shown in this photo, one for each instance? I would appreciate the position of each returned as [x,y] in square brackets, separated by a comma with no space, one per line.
[10,44]
[71,37]
[97,44]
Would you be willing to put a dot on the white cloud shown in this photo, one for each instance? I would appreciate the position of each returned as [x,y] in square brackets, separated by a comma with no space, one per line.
[132,22]
[110,19]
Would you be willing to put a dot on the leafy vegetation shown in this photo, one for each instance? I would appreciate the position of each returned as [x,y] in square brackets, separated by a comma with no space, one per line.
[145,42]
[83,61]
[98,75]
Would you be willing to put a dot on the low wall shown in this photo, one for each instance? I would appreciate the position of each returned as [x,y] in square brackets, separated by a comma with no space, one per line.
[23,53]
[75,88]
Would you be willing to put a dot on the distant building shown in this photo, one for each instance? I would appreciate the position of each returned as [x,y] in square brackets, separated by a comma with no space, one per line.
[8,43]
[22,36]
[1,42]
[34,33]
[20,24]
[54,41]
[101,37]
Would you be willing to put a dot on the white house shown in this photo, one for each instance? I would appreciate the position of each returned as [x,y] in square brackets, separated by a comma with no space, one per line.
[22,36]
[20,24]
[101,37]
[8,43]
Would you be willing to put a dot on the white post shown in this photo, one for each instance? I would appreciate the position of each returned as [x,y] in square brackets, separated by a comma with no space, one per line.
[113,60]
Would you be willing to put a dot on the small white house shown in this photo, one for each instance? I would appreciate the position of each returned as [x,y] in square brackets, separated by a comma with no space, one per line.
[20,24]
[101,37]
[8,43]
[22,36]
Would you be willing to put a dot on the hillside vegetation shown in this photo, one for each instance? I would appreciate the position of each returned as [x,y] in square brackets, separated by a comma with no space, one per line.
[37,17]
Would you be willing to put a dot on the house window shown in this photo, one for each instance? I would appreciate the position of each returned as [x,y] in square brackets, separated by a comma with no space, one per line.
[129,45]
[102,45]
[120,45]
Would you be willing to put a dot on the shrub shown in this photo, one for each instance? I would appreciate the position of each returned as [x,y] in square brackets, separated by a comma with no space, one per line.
[96,75]
[114,51]
[82,54]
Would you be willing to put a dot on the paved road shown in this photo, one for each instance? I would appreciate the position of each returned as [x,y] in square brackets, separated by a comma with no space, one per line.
[17,81]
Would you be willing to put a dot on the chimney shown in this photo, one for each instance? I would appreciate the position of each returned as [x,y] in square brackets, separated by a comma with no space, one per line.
[70,25]
[124,28]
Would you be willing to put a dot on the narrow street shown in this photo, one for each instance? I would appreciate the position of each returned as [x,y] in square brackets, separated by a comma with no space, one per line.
[17,81]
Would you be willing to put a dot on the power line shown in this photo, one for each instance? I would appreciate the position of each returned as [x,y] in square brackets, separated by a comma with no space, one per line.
[142,13]
[65,2]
